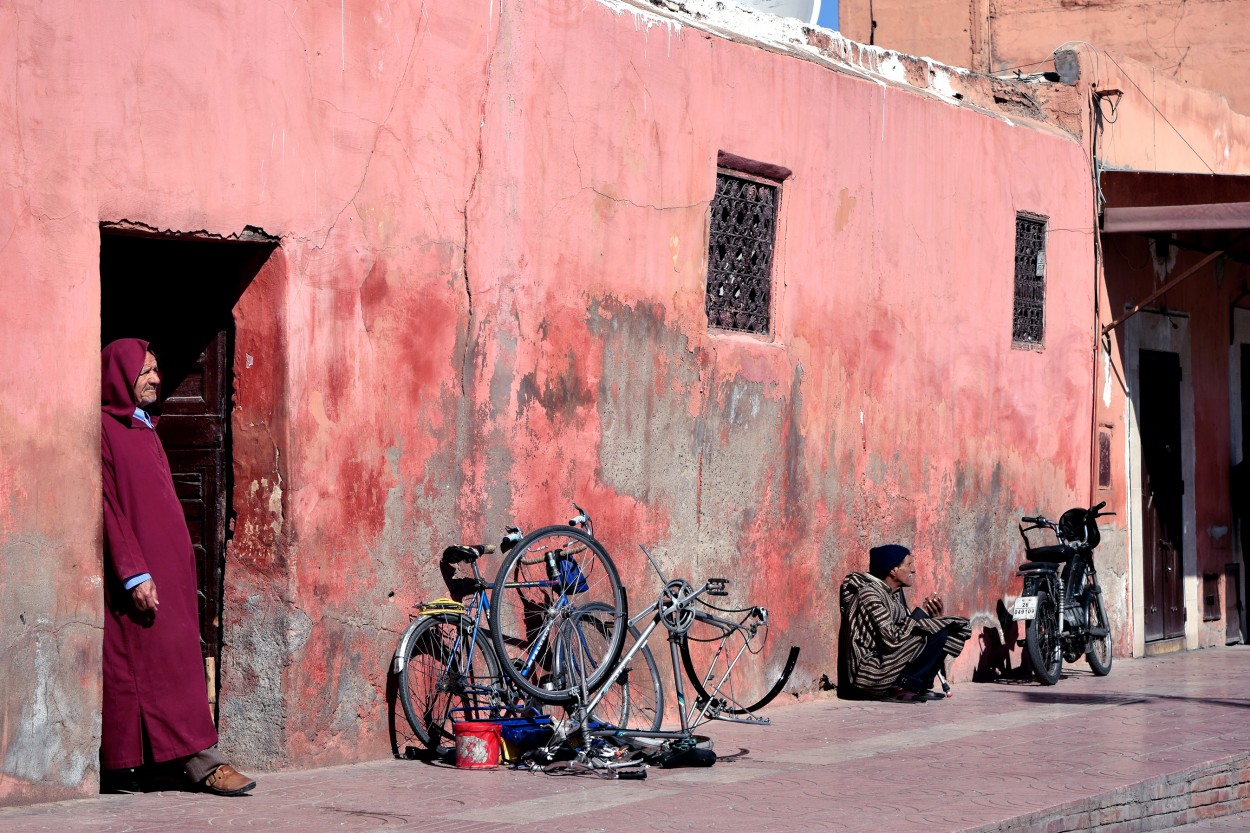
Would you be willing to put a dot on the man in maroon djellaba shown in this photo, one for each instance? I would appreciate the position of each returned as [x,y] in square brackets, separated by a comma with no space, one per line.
[155,701]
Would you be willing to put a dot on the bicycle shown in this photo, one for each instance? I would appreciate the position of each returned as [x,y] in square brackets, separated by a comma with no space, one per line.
[562,652]
[448,670]
[546,582]
[444,661]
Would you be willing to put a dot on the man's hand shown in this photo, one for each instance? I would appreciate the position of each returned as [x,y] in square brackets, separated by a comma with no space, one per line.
[933,604]
[144,597]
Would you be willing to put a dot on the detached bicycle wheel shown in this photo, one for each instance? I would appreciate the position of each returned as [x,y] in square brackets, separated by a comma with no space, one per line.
[545,582]
[632,699]
[1041,637]
[445,677]
[726,663]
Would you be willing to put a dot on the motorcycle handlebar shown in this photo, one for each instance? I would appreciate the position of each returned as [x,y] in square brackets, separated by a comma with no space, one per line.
[1029,520]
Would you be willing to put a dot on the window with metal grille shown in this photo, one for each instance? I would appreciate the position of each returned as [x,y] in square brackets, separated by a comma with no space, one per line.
[740,253]
[1104,456]
[1029,313]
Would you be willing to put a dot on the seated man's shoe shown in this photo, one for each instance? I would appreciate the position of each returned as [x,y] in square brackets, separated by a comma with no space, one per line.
[226,780]
[925,696]
[898,694]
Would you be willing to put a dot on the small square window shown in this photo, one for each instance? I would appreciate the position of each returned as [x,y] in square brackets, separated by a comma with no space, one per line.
[741,241]
[1029,311]
[1104,456]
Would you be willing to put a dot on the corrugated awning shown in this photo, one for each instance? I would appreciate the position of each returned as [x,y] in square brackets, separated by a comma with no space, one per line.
[1151,202]
[1166,204]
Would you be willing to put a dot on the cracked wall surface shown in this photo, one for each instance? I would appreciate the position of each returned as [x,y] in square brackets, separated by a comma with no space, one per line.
[488,302]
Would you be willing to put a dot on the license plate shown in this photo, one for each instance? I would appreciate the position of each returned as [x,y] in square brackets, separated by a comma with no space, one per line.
[1026,608]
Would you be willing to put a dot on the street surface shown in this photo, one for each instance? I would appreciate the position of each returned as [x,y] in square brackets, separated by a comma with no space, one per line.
[1160,742]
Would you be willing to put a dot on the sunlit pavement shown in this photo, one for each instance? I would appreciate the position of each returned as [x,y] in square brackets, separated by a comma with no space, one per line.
[1159,743]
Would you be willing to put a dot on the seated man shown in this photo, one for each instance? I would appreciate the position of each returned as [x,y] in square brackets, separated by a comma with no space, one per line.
[888,653]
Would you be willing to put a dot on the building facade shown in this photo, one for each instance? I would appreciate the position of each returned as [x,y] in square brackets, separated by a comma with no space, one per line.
[1198,44]
[420,271]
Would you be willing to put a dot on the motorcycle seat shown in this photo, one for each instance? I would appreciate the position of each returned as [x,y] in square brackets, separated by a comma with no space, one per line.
[1057,554]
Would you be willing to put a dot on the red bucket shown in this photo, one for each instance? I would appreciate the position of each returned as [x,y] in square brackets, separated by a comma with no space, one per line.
[477,744]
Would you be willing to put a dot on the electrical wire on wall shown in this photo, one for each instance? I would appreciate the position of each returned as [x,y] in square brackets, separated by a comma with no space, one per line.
[1149,101]
[1098,200]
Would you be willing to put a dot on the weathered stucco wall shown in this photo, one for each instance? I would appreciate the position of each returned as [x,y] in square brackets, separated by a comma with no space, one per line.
[488,302]
[1161,124]
[1198,44]
[50,591]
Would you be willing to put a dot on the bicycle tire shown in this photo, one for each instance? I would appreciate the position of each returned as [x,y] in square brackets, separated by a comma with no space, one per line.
[729,705]
[436,685]
[1098,651]
[1042,640]
[635,698]
[543,581]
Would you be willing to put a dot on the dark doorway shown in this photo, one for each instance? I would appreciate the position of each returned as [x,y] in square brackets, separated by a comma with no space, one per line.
[1163,488]
[178,294]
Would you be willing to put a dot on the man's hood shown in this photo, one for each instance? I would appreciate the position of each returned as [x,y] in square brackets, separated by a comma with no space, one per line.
[850,588]
[121,362]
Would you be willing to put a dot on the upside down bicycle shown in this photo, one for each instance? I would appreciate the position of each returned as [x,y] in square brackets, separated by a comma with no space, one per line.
[448,670]
[559,622]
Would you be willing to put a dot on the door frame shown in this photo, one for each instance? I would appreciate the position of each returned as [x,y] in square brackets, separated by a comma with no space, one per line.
[1237,442]
[1168,332]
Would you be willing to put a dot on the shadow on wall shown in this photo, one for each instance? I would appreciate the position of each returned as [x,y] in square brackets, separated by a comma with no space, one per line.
[998,645]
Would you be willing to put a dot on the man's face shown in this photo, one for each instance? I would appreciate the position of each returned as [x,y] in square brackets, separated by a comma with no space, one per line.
[905,573]
[148,383]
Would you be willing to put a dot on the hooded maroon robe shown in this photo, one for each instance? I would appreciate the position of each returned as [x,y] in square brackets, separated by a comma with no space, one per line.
[153,670]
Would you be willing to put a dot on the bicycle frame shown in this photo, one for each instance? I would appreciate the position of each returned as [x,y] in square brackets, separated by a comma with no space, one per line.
[713,707]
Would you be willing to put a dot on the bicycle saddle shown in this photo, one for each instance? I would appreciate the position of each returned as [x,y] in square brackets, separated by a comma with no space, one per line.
[464,553]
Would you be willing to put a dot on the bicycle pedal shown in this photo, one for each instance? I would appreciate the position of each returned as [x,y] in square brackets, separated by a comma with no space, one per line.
[716,587]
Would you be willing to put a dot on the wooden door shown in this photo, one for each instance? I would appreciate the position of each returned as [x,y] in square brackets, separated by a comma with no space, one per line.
[1163,490]
[194,428]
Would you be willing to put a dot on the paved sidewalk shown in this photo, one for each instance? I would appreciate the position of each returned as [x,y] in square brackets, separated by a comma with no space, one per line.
[1158,743]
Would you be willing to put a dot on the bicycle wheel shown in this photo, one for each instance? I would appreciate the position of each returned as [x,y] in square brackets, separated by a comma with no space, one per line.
[441,680]
[634,699]
[1041,637]
[722,663]
[1098,648]
[544,581]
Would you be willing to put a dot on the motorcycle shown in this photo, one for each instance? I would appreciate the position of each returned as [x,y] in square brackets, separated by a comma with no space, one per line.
[1061,601]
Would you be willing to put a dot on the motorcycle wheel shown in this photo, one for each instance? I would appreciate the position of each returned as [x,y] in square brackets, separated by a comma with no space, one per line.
[1042,640]
[1098,649]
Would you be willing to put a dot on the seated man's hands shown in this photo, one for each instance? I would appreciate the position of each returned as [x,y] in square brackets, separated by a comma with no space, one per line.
[933,604]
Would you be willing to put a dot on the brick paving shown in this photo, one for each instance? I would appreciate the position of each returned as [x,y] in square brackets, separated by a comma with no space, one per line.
[1160,743]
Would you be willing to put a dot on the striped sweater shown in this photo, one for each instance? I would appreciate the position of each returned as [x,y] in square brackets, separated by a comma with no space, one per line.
[883,636]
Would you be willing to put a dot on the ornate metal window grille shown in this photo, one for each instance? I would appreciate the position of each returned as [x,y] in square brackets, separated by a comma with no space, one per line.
[1029,313]
[740,254]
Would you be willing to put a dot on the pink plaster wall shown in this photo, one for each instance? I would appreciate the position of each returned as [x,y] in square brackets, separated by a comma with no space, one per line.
[1161,124]
[488,302]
